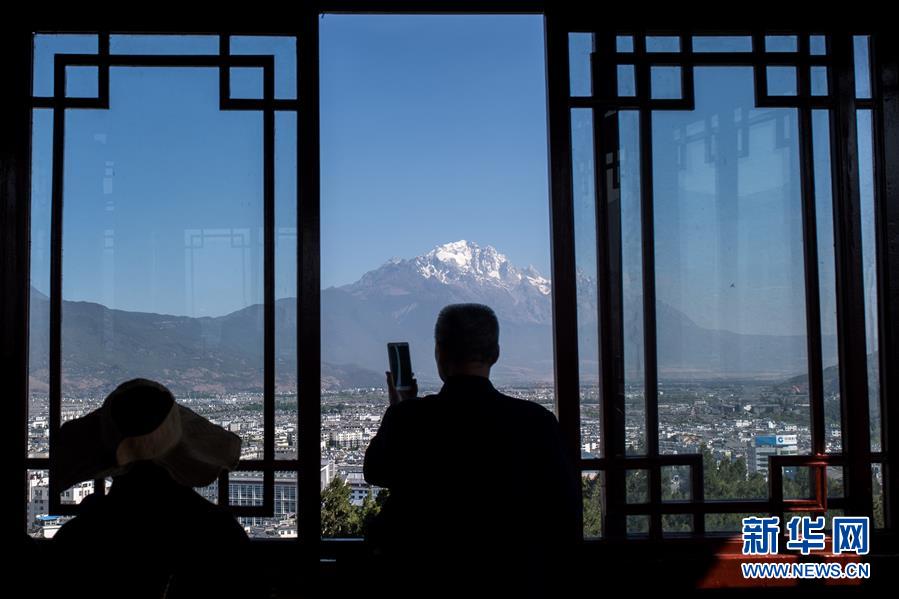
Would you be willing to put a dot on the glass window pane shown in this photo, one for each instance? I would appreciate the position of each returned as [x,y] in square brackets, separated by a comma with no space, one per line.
[722,43]
[781,81]
[434,191]
[164,44]
[676,524]
[798,482]
[637,482]
[284,50]
[637,526]
[627,86]
[835,486]
[780,43]
[878,495]
[46,47]
[676,483]
[632,281]
[817,45]
[39,305]
[162,245]
[729,281]
[584,192]
[592,483]
[580,46]
[624,44]
[665,82]
[247,489]
[82,82]
[663,43]
[246,83]
[826,281]
[862,67]
[819,81]
[869,264]
[286,223]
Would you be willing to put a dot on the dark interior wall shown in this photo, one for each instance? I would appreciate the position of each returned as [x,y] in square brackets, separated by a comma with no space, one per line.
[674,566]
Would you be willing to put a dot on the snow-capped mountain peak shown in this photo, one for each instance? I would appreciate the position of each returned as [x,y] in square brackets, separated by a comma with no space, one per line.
[463,261]
[457,252]
[461,271]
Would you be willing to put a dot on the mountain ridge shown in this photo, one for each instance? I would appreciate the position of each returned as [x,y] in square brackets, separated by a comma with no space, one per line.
[397,301]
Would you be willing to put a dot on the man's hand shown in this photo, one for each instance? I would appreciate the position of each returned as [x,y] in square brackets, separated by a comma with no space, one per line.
[396,396]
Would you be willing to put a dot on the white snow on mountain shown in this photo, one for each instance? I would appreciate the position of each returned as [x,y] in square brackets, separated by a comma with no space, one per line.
[466,261]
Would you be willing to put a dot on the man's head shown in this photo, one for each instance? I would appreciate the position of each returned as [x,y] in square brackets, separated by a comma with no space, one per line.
[466,340]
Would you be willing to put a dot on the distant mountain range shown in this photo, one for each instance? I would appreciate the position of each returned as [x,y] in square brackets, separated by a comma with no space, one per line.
[398,301]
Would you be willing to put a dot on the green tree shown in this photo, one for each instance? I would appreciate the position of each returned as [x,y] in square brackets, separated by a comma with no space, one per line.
[340,518]
[592,494]
[371,507]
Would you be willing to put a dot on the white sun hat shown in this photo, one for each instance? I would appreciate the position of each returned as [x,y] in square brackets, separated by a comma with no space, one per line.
[141,421]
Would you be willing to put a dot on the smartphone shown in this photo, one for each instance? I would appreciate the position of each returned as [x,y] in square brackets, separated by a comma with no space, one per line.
[400,365]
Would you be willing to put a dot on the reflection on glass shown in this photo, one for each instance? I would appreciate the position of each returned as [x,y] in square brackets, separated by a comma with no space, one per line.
[780,43]
[798,482]
[730,283]
[869,265]
[827,279]
[781,81]
[162,268]
[624,44]
[637,486]
[627,86]
[817,45]
[675,524]
[819,81]
[39,307]
[632,281]
[665,82]
[878,495]
[584,194]
[637,526]
[164,44]
[163,245]
[722,43]
[835,487]
[663,43]
[676,483]
[286,424]
[580,45]
[862,67]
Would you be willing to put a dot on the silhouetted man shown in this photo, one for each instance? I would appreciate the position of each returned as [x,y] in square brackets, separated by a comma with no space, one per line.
[481,494]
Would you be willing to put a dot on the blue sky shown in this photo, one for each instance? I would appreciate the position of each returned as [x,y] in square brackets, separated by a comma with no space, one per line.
[433,129]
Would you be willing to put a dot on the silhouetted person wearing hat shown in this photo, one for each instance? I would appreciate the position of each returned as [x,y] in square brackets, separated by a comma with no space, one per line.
[152,535]
[482,496]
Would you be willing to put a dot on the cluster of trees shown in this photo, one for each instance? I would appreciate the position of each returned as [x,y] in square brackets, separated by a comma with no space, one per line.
[340,518]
